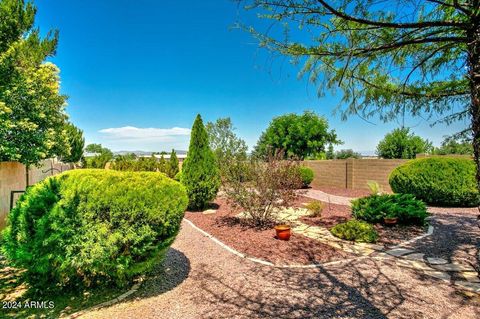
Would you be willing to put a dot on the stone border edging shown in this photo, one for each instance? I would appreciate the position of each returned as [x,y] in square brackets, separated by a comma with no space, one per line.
[410,241]
[107,303]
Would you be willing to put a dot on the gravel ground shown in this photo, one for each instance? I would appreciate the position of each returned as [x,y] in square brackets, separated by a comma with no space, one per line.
[201,280]
[456,237]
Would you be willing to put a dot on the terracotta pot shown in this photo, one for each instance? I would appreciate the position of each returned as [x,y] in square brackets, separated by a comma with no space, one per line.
[283,232]
[390,220]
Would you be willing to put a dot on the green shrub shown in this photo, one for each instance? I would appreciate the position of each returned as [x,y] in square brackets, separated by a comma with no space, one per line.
[306,173]
[86,227]
[405,207]
[178,176]
[315,207]
[172,165]
[438,181]
[355,230]
[200,173]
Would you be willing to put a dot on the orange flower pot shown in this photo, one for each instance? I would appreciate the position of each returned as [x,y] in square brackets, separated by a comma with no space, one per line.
[283,232]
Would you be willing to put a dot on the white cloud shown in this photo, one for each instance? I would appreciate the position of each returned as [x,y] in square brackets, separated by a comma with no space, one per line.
[147,134]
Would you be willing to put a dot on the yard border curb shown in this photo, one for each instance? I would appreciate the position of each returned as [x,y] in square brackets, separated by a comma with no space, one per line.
[107,303]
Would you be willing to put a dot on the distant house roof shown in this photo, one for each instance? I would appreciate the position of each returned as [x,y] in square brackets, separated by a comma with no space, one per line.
[88,154]
[166,156]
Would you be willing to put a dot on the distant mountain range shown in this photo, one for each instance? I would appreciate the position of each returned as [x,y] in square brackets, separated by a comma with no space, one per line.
[144,153]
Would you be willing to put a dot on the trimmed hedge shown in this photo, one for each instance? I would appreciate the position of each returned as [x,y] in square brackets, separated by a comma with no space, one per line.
[405,207]
[92,227]
[355,230]
[306,174]
[438,181]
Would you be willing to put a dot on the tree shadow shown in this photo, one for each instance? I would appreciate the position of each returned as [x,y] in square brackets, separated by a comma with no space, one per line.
[166,276]
[456,238]
[302,293]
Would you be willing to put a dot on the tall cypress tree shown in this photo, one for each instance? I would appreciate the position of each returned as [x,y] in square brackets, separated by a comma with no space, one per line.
[200,173]
[172,166]
[162,165]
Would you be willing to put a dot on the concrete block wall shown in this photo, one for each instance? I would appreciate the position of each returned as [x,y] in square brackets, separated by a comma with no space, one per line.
[352,173]
[12,178]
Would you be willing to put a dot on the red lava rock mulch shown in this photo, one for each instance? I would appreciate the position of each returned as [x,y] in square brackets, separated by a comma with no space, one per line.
[343,191]
[388,235]
[394,235]
[261,243]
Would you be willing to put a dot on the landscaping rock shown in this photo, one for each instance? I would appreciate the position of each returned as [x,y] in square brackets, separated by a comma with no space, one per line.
[209,211]
[453,267]
[436,261]
[475,287]
[397,252]
[470,276]
[438,274]
[415,256]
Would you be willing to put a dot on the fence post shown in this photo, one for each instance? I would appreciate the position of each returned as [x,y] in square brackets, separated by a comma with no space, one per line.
[349,173]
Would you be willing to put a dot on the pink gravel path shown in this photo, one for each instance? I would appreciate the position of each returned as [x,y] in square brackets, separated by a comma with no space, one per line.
[201,280]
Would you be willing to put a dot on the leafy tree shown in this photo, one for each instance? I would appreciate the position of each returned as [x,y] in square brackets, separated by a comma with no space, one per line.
[224,142]
[389,58]
[400,143]
[344,154]
[94,148]
[200,173]
[32,116]
[172,165]
[76,143]
[455,146]
[296,135]
[104,155]
[330,154]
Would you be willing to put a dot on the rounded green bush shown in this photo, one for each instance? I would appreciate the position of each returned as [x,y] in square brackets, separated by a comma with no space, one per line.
[355,230]
[92,227]
[438,181]
[375,208]
[306,174]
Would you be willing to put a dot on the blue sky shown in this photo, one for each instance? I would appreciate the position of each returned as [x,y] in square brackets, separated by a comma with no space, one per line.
[138,72]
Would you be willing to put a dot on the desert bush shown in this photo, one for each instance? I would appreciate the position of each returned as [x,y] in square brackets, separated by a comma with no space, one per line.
[315,207]
[438,181]
[270,185]
[405,207]
[306,174]
[91,227]
[355,230]
[200,173]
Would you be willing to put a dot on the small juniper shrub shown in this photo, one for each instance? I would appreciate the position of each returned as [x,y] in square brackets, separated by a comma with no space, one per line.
[355,230]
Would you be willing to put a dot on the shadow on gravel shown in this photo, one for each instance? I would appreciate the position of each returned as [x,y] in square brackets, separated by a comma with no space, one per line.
[300,293]
[456,238]
[166,276]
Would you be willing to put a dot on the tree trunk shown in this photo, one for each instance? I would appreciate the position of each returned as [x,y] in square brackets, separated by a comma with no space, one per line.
[474,78]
